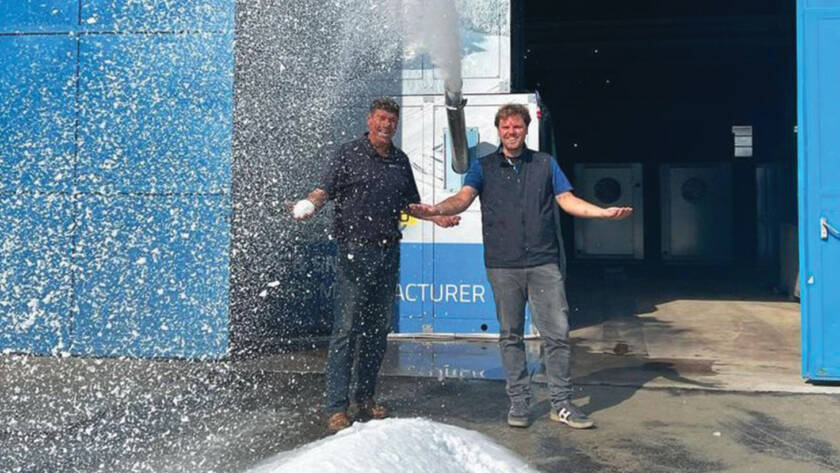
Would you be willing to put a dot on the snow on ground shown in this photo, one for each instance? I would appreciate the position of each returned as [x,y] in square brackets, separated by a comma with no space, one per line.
[399,445]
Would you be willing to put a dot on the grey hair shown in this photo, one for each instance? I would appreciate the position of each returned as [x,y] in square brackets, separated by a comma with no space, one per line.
[385,103]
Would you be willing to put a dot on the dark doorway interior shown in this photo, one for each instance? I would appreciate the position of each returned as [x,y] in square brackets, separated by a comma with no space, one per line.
[655,82]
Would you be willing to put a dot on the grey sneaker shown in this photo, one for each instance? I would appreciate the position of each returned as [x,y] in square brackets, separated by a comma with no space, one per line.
[570,414]
[519,414]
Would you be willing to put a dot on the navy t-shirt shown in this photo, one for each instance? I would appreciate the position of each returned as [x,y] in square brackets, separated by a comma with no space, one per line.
[369,191]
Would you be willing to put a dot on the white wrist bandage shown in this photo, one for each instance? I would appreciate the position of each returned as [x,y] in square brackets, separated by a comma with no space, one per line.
[303,209]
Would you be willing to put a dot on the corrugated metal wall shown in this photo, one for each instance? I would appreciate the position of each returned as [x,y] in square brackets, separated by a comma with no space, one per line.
[819,187]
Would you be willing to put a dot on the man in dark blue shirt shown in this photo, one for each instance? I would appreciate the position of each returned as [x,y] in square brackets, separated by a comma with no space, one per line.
[371,182]
[520,191]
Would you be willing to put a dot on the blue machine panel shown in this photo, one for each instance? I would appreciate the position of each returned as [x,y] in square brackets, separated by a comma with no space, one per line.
[38,16]
[154,276]
[181,15]
[453,295]
[819,187]
[156,113]
[35,278]
[37,98]
[414,312]
[463,299]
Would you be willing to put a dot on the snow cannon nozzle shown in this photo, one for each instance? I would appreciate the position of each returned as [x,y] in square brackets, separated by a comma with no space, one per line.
[455,103]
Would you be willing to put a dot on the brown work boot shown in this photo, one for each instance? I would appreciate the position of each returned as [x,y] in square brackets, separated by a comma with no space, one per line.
[371,410]
[338,421]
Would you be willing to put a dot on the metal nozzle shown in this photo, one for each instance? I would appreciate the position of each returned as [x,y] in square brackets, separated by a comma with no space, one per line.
[457,125]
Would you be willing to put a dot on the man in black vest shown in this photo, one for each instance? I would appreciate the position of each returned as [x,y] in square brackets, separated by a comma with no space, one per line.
[520,191]
[371,182]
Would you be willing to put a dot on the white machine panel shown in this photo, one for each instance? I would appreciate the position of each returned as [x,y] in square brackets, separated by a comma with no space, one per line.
[610,185]
[697,212]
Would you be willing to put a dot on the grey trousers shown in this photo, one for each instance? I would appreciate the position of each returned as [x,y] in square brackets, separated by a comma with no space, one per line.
[542,287]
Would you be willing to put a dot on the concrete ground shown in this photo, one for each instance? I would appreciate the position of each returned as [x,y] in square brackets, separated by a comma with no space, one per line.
[681,374]
[688,328]
[75,415]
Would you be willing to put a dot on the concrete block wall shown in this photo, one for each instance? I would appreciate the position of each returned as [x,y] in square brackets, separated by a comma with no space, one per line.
[115,171]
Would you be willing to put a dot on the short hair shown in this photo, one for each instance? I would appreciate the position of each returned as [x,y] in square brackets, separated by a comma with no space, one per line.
[385,103]
[511,109]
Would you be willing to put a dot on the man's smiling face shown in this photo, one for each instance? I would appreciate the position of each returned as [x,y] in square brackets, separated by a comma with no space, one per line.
[382,125]
[512,133]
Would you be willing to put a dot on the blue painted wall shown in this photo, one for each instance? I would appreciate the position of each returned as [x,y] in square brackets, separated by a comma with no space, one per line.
[115,172]
[819,187]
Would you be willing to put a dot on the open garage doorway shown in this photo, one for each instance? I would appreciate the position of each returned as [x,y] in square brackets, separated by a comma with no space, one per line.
[687,111]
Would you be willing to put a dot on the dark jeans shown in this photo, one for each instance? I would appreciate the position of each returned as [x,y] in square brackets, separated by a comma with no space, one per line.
[542,287]
[365,285]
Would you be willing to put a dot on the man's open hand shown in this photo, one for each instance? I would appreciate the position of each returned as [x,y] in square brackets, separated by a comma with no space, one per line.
[446,221]
[617,213]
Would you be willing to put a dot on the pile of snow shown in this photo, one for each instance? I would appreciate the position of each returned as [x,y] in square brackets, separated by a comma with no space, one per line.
[399,445]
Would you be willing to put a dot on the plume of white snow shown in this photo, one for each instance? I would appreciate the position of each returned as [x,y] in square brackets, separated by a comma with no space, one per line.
[432,26]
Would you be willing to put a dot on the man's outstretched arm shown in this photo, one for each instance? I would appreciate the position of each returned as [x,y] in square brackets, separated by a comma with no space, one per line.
[451,206]
[577,207]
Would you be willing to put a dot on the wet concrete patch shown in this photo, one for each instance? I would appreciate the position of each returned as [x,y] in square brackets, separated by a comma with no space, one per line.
[667,455]
[556,455]
[682,366]
[655,424]
[448,400]
[638,371]
[766,434]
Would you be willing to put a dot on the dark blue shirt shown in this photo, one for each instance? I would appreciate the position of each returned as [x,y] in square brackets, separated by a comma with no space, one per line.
[475,176]
[369,191]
